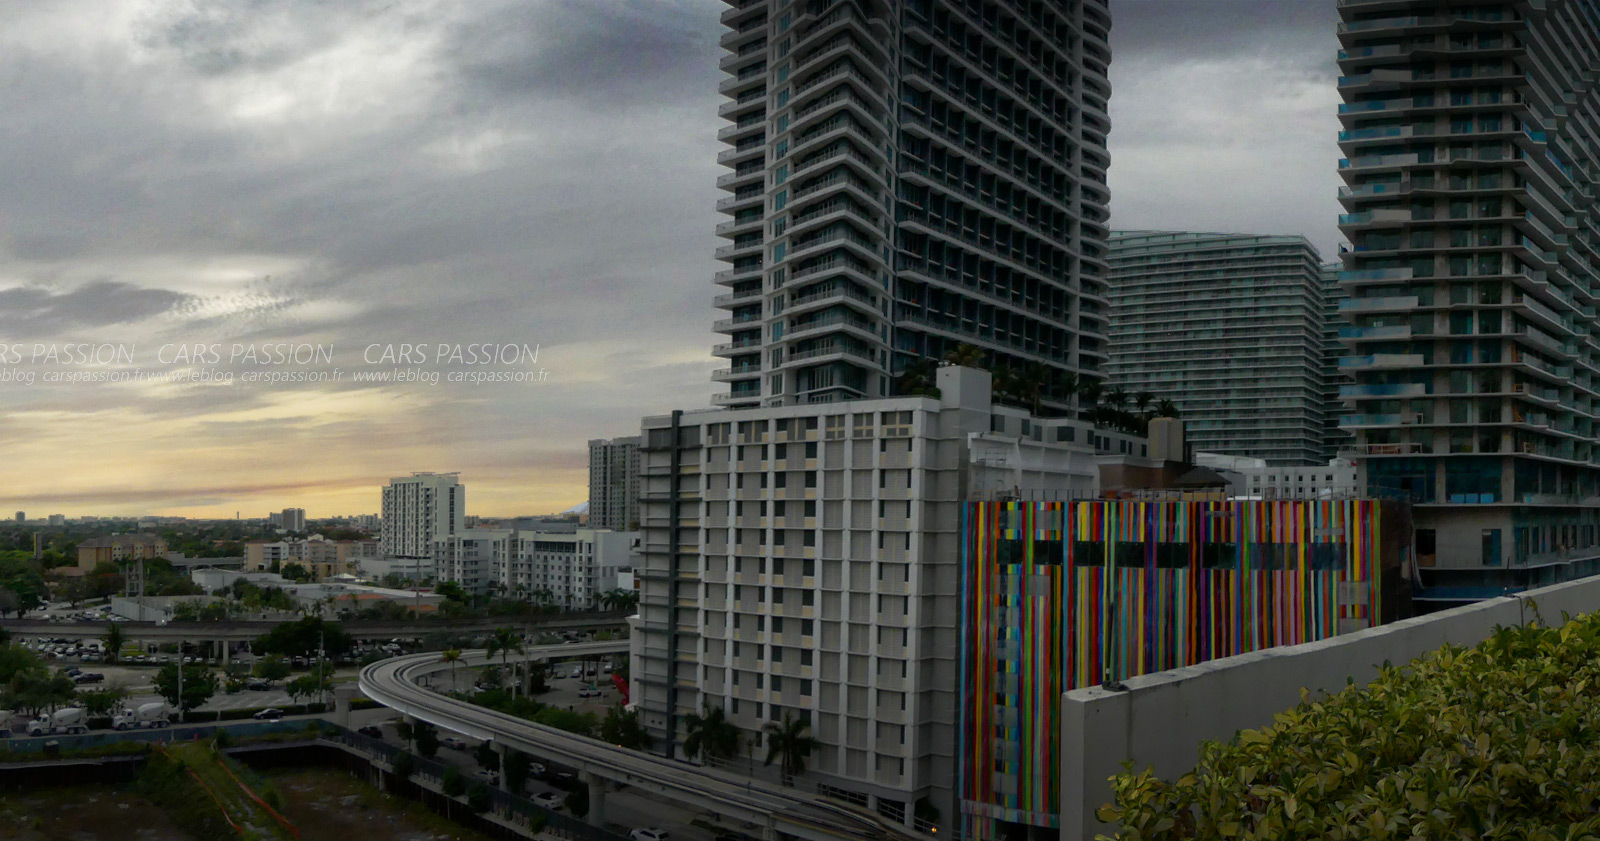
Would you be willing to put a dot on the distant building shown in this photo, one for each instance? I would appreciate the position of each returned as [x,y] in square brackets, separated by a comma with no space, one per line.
[22,516]
[294,519]
[614,483]
[570,569]
[1230,328]
[58,520]
[275,519]
[117,548]
[261,555]
[420,509]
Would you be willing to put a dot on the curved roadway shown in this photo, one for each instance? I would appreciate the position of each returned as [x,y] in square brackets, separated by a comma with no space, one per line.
[393,683]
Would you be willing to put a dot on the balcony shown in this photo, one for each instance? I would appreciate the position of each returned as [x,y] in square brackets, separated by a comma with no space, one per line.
[1403,419]
[1375,274]
[1390,302]
[728,228]
[1385,23]
[1385,390]
[1378,133]
[1392,331]
[729,252]
[731,297]
[1379,361]
[733,347]
[738,200]
[1378,161]
[1362,191]
[723,325]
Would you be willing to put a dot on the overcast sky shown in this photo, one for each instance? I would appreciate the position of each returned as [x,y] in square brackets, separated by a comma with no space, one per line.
[238,175]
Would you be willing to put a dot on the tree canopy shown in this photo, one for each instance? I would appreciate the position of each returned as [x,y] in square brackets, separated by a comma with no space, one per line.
[300,638]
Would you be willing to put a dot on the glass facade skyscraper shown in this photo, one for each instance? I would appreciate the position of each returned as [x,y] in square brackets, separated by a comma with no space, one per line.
[1470,132]
[905,176]
[1231,329]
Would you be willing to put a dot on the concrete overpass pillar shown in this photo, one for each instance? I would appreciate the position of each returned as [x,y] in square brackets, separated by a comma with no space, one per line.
[227,652]
[597,799]
[343,694]
[500,763]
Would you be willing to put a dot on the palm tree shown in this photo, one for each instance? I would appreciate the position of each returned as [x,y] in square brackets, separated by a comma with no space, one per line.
[1142,401]
[114,639]
[504,642]
[918,378]
[788,743]
[1031,385]
[1166,409]
[1090,391]
[710,736]
[1004,383]
[451,656]
[1115,396]
[1065,384]
[965,355]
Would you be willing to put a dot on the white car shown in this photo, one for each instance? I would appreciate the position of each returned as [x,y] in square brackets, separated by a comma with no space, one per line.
[588,692]
[548,799]
[649,833]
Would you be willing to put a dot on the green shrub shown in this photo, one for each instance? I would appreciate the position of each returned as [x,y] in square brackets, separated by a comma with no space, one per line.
[1501,741]
[363,704]
[404,765]
[478,799]
[453,784]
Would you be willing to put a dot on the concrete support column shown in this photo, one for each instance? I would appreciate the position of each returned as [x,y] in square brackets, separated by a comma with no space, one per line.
[500,762]
[227,652]
[343,694]
[597,799]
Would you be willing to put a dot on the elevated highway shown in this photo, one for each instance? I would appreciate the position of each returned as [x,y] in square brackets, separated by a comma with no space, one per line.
[237,630]
[781,811]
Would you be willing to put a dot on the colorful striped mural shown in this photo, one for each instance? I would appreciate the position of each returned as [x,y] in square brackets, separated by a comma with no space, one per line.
[1060,595]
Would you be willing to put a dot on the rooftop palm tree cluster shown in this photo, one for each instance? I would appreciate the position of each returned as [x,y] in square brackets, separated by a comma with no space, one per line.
[1030,386]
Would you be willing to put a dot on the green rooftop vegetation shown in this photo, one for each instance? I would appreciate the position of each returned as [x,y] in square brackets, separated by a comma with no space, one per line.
[1500,741]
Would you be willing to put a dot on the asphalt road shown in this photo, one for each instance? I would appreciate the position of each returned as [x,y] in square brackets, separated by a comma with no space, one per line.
[625,810]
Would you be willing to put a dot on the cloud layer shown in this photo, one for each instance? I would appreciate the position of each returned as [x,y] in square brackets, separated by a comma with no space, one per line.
[179,173]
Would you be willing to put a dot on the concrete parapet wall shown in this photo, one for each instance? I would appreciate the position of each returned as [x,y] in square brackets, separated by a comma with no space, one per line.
[1162,718]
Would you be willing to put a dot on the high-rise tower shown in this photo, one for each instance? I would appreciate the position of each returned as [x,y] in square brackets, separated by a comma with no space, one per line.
[1470,132]
[906,176]
[1230,328]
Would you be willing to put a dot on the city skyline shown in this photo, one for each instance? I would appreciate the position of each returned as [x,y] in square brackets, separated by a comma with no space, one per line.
[277,178]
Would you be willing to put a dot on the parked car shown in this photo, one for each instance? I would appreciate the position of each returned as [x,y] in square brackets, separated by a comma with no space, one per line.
[269,714]
[564,779]
[371,730]
[490,777]
[88,677]
[649,833]
[257,684]
[548,799]
[537,770]
[588,692]
[453,742]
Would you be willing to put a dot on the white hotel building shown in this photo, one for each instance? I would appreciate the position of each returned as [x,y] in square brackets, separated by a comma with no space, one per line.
[804,560]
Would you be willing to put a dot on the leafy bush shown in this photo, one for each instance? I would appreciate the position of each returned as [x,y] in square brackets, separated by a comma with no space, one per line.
[363,704]
[452,783]
[478,799]
[404,765]
[1497,741]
